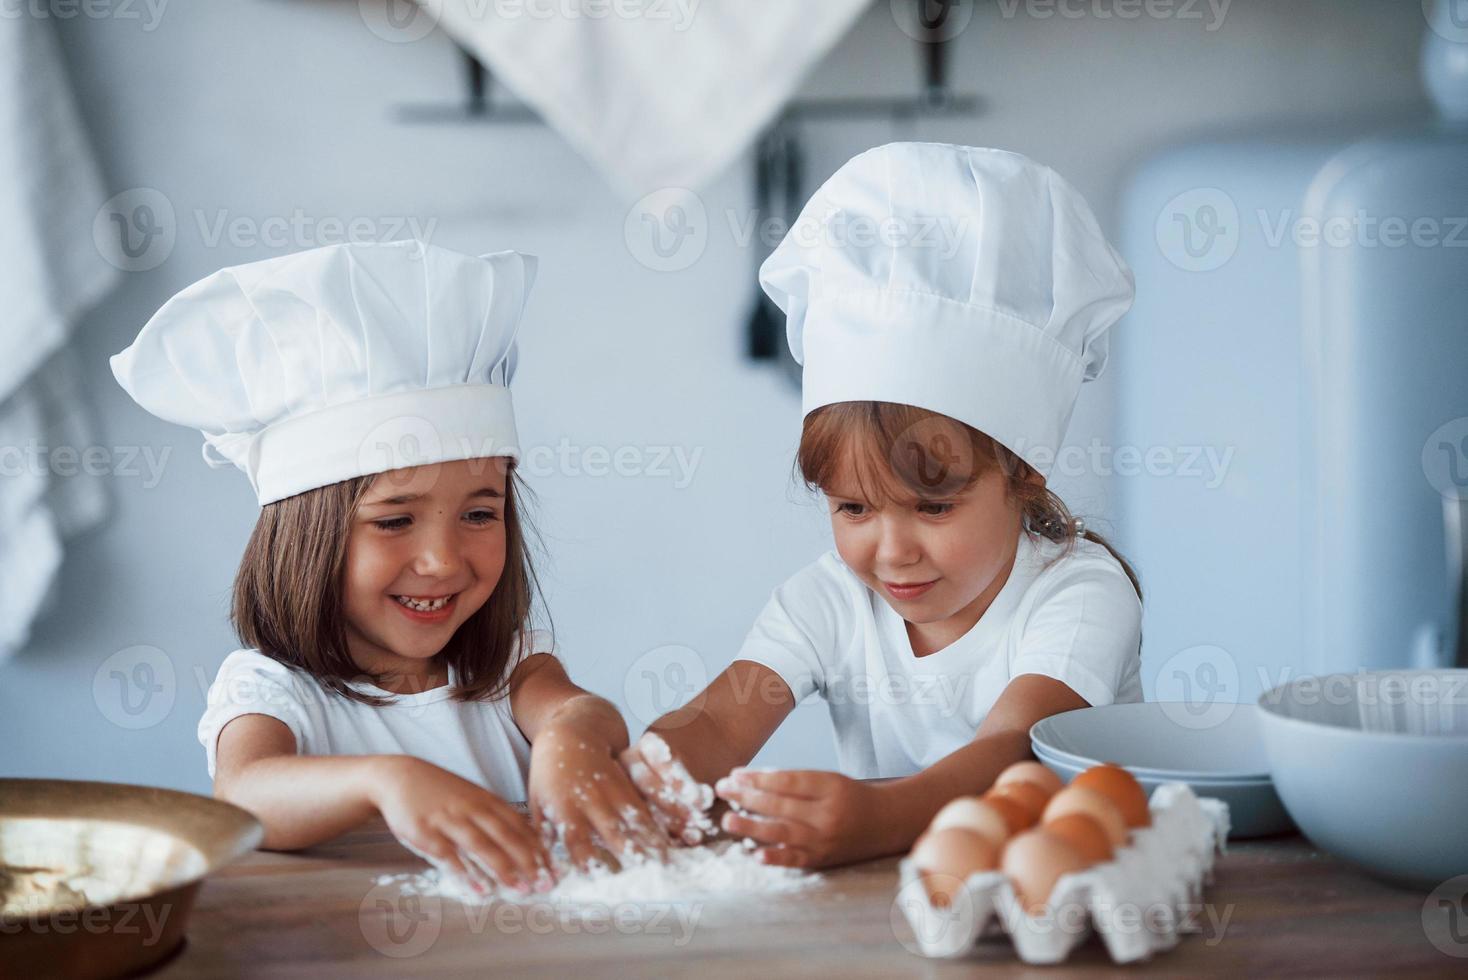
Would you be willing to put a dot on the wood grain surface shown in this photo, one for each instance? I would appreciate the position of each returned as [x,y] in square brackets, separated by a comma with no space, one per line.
[1276,908]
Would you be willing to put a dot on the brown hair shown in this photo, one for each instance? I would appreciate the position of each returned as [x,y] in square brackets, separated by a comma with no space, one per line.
[902,450]
[289,594]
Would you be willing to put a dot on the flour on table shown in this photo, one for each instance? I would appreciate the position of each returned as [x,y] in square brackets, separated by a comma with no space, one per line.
[724,870]
[718,870]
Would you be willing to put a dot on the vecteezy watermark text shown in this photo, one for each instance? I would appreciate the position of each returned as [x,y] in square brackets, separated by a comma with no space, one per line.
[1210,12]
[1200,230]
[120,919]
[137,229]
[408,441]
[149,13]
[940,233]
[301,230]
[406,21]
[34,458]
[1209,464]
[669,229]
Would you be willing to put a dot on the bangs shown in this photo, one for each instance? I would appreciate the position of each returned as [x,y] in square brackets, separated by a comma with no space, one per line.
[890,452]
[885,452]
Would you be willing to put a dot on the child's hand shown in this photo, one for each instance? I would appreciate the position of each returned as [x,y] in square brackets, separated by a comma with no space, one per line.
[460,827]
[680,803]
[579,794]
[804,819]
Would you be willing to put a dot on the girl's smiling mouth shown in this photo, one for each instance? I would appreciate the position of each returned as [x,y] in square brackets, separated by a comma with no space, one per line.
[426,609]
[908,590]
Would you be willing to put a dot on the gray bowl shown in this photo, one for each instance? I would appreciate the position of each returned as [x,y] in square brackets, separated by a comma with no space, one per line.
[1374,768]
[1215,749]
[1253,808]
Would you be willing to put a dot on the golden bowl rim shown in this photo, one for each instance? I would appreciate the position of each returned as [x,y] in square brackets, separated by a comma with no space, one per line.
[221,832]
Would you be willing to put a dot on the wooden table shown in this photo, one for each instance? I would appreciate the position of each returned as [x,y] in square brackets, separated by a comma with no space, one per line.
[1286,909]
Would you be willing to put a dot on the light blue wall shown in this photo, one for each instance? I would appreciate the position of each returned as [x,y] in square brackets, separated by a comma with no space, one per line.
[258,109]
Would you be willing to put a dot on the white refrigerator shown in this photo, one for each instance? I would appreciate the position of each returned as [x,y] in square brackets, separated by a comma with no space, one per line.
[1292,455]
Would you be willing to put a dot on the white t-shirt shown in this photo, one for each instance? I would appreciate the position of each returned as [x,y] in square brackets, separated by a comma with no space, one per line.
[477,740]
[1078,620]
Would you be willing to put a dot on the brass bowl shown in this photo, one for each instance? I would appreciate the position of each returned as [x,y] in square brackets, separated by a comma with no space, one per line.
[97,879]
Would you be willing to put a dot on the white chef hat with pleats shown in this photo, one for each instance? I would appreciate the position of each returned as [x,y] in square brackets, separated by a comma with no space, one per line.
[336,362]
[971,282]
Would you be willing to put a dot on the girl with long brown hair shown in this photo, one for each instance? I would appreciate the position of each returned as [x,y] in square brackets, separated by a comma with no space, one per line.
[385,596]
[946,303]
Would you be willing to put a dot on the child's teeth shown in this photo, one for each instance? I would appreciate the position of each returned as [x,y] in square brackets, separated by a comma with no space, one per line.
[423,605]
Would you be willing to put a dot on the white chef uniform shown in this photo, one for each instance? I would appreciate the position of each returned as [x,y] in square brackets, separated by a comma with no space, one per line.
[323,365]
[975,283]
[1077,620]
[477,740]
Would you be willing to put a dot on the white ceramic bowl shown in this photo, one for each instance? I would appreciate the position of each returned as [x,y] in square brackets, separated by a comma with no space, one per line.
[1374,768]
[1159,738]
[1162,775]
[1191,779]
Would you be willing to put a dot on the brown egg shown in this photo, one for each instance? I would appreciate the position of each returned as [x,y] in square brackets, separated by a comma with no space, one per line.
[1122,788]
[1078,799]
[1016,815]
[972,813]
[1030,772]
[1033,798]
[1084,834]
[1033,862]
[945,859]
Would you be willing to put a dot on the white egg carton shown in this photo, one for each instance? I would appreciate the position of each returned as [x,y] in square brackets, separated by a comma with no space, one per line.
[1140,902]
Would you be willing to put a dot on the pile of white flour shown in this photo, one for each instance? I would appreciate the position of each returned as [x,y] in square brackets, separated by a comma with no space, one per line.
[724,870]
[718,870]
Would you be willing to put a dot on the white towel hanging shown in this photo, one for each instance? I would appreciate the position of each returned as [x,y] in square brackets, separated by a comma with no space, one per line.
[50,272]
[656,93]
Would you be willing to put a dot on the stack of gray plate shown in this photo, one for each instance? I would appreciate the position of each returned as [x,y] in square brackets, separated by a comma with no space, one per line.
[1214,748]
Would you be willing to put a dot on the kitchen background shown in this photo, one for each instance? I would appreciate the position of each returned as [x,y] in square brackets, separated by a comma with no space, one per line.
[240,130]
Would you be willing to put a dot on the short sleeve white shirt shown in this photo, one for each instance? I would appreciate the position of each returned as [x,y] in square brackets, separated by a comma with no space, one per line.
[1075,618]
[477,740]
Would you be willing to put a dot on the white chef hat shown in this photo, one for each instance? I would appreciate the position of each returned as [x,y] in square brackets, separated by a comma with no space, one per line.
[322,365]
[971,282]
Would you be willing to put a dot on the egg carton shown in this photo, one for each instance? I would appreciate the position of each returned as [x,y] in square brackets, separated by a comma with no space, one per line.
[1140,902]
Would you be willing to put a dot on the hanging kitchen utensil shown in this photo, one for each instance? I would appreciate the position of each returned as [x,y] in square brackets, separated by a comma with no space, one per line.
[764,328]
[793,187]
[779,195]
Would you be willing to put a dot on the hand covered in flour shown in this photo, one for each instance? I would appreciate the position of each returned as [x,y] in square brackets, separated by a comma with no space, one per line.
[804,819]
[580,796]
[459,827]
[679,803]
